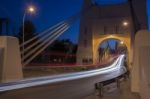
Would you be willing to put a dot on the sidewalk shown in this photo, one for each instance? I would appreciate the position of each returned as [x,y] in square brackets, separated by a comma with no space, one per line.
[112,92]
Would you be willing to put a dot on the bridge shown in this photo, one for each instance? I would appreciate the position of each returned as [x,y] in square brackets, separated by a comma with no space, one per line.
[97,24]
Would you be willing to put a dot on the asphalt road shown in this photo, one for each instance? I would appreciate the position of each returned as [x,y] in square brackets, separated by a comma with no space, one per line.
[66,86]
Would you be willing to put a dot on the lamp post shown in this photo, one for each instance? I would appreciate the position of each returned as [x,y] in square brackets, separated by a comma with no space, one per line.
[30,9]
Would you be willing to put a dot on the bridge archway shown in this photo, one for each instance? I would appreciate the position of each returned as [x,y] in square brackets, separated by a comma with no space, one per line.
[111,47]
[101,39]
[100,23]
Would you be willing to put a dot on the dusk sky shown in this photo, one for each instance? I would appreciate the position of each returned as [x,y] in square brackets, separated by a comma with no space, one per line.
[49,12]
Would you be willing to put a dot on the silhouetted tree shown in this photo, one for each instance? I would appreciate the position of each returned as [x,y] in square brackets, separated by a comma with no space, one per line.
[65,47]
[29,30]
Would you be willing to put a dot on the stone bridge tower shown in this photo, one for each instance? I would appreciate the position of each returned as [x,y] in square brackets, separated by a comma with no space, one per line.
[101,22]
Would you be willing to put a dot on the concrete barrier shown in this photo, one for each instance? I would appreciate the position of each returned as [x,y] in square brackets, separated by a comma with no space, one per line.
[140,78]
[10,59]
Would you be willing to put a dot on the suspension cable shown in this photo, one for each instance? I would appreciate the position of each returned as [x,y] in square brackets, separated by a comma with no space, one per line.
[70,19]
[42,38]
[49,40]
[40,34]
[37,53]
[42,44]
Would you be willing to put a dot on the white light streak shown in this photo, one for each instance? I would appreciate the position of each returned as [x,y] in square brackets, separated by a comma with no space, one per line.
[116,66]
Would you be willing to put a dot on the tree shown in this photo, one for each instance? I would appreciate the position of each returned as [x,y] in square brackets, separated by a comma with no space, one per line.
[63,47]
[29,30]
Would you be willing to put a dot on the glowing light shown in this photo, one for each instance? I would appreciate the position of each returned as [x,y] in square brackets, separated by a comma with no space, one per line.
[125,23]
[121,42]
[116,66]
[31,9]
[111,36]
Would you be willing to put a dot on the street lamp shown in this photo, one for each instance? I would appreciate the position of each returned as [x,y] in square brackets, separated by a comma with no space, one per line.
[30,9]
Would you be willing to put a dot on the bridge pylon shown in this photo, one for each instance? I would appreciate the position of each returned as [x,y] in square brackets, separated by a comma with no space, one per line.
[102,22]
[10,59]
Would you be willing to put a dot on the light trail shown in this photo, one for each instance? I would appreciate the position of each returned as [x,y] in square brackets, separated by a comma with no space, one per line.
[116,66]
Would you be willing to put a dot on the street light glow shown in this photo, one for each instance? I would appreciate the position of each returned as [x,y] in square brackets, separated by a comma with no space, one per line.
[125,23]
[121,42]
[31,9]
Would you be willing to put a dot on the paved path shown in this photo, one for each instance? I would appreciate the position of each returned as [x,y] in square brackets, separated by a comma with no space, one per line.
[112,92]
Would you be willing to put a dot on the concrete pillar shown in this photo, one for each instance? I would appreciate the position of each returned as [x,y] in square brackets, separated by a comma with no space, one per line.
[10,59]
[140,75]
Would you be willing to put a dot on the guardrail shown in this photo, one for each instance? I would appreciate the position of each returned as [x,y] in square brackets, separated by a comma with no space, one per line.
[64,86]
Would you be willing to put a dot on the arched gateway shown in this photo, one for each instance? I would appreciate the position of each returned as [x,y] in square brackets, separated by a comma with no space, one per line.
[101,22]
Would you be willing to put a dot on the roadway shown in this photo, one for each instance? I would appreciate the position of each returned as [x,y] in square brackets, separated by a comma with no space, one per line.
[65,86]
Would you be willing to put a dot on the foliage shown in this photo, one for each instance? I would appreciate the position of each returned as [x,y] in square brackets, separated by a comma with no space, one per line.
[29,31]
